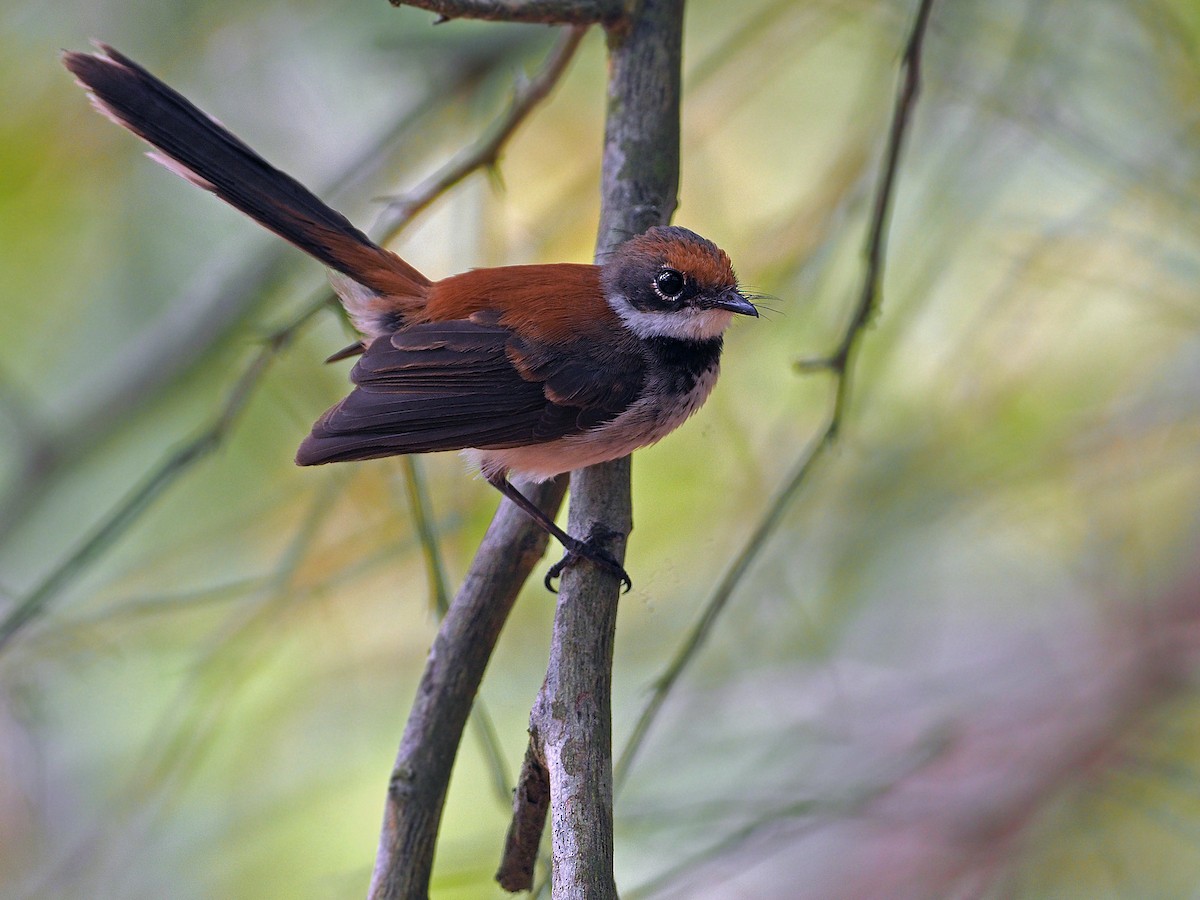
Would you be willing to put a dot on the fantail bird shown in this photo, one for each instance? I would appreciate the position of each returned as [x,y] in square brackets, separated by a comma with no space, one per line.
[532,370]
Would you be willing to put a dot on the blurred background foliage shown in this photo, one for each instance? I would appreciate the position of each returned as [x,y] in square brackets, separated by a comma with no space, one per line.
[963,663]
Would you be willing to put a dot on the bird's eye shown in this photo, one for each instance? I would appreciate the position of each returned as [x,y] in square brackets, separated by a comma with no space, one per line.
[669,284]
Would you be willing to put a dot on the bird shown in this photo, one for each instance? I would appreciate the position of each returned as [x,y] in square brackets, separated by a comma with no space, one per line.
[530,370]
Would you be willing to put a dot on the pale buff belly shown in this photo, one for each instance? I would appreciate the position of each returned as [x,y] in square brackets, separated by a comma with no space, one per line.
[646,421]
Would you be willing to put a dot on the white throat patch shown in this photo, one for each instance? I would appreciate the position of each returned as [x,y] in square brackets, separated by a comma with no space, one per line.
[687,323]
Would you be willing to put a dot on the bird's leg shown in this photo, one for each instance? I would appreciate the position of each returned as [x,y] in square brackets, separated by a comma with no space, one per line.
[589,549]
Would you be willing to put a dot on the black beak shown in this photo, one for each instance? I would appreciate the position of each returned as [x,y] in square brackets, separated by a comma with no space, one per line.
[736,303]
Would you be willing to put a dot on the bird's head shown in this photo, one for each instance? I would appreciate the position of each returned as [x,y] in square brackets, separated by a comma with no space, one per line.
[670,282]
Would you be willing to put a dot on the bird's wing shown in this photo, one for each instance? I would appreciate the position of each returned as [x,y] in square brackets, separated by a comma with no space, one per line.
[469,383]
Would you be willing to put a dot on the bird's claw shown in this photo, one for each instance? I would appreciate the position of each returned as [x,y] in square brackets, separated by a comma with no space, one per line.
[592,551]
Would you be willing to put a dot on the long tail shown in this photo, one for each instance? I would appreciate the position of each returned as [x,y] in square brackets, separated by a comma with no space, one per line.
[203,151]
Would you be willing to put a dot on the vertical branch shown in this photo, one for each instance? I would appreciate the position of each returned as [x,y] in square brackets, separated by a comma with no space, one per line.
[571,722]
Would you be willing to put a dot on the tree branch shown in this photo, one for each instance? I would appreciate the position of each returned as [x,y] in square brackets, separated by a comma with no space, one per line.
[460,653]
[840,363]
[571,721]
[531,803]
[439,589]
[137,501]
[546,12]
[485,152]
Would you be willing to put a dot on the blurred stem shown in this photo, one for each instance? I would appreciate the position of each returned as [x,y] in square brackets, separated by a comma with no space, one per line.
[139,500]
[199,713]
[15,407]
[772,821]
[435,570]
[720,597]
[839,363]
[485,152]
[419,506]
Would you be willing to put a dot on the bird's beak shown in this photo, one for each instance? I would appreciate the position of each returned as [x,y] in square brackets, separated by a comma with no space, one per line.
[736,303]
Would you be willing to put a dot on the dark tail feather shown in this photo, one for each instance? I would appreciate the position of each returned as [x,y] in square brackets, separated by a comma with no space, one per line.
[194,145]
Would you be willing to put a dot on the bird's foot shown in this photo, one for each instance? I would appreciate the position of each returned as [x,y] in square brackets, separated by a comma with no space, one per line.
[593,551]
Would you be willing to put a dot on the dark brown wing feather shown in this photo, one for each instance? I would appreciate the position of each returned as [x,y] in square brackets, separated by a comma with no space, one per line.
[467,383]
[600,377]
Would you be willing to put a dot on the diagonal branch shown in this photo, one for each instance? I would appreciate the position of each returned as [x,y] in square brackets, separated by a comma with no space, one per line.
[840,363]
[545,12]
[118,521]
[485,152]
[460,653]
[439,587]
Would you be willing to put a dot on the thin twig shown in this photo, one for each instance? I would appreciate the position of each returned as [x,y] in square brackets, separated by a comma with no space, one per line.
[139,500]
[439,586]
[545,12]
[485,152]
[720,598]
[840,363]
